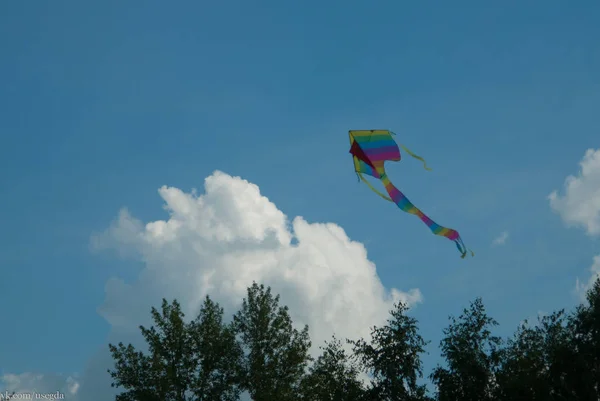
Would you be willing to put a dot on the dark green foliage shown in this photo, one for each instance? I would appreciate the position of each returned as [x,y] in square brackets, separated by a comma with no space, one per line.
[276,353]
[557,359]
[470,352]
[333,377]
[195,361]
[585,333]
[524,366]
[392,358]
[218,353]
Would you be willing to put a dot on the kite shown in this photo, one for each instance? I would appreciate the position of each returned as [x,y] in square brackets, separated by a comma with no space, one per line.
[370,149]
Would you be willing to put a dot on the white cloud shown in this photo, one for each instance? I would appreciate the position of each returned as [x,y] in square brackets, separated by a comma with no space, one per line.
[580,204]
[582,288]
[218,244]
[501,239]
[26,384]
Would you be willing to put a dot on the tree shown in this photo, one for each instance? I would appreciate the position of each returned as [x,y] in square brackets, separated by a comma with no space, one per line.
[197,361]
[392,358]
[471,356]
[220,356]
[261,352]
[276,353]
[585,328]
[165,373]
[551,361]
[333,377]
[527,360]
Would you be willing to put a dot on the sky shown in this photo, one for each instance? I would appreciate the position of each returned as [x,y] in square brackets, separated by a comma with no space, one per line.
[151,150]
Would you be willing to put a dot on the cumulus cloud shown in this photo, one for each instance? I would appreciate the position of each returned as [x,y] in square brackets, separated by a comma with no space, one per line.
[580,204]
[501,239]
[221,241]
[218,243]
[581,288]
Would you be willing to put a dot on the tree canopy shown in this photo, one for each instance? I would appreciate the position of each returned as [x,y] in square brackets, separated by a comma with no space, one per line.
[262,354]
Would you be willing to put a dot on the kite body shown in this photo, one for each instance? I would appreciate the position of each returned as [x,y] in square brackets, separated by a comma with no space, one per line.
[370,149]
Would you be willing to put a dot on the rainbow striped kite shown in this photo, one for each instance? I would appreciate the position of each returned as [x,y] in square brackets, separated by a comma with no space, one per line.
[370,149]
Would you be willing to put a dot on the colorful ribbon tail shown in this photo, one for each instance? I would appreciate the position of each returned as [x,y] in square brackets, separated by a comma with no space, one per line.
[460,245]
[372,188]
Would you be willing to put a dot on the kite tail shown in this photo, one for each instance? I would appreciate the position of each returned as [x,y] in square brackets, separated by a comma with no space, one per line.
[462,248]
[405,205]
[372,188]
[413,155]
[416,157]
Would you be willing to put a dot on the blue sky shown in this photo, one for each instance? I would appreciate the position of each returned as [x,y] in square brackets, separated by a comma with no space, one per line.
[103,104]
